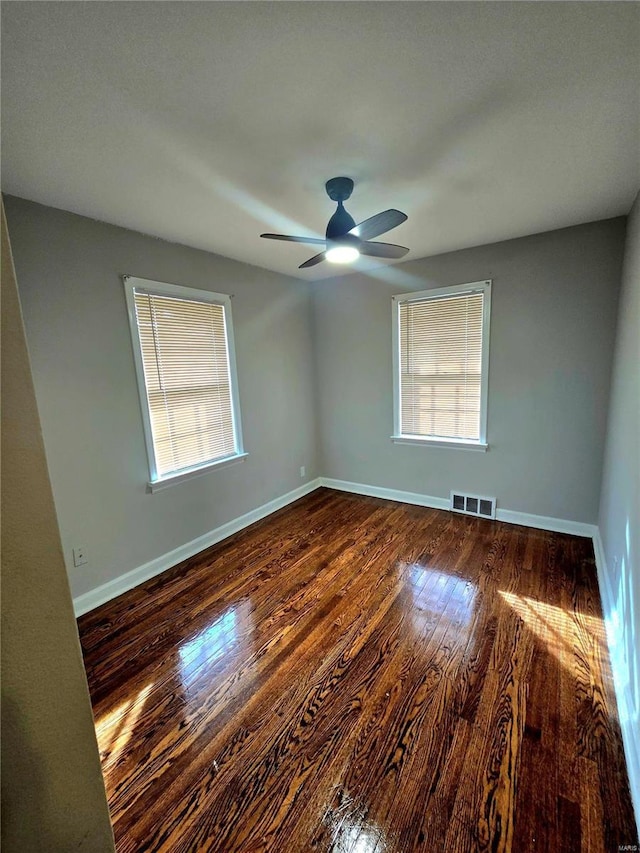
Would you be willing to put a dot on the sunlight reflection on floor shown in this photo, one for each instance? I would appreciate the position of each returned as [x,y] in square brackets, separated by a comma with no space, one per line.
[551,624]
[351,832]
[356,838]
[429,589]
[208,647]
[115,729]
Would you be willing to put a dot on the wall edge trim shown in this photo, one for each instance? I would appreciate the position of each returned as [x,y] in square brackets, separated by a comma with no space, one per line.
[123,583]
[384,493]
[542,522]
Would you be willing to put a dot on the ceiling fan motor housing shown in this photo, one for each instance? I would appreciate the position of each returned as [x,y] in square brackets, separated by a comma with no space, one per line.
[339,224]
[339,189]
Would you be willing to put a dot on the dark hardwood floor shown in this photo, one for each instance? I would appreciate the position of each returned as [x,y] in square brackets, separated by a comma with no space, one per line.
[360,676]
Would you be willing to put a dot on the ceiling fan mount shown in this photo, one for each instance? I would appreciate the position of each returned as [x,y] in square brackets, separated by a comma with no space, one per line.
[345,241]
[339,189]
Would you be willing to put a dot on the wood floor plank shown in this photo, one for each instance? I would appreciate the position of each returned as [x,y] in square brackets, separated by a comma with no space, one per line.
[591,808]
[353,674]
[536,830]
[485,805]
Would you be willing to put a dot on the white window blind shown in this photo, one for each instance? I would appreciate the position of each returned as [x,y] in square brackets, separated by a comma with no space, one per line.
[184,350]
[441,363]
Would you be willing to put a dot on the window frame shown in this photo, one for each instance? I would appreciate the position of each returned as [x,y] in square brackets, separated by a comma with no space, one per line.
[133,284]
[398,437]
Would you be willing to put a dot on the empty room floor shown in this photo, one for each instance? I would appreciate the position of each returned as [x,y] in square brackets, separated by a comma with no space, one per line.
[362,676]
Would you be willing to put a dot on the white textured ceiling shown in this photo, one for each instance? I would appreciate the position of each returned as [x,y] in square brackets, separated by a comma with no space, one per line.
[207,123]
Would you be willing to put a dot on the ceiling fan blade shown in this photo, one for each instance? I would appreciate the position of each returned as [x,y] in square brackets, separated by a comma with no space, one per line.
[379,224]
[314,241]
[312,261]
[383,250]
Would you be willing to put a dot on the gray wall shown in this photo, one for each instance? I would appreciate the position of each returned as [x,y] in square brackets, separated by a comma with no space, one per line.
[620,503]
[553,324]
[552,331]
[68,269]
[53,797]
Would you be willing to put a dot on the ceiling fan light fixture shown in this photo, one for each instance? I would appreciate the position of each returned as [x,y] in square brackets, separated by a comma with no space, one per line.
[342,254]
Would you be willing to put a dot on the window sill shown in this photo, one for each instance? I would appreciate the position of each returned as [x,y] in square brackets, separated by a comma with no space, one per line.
[190,473]
[451,443]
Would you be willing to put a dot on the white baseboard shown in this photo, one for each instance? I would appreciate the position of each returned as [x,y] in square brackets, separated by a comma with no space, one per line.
[101,594]
[629,721]
[542,522]
[107,591]
[387,494]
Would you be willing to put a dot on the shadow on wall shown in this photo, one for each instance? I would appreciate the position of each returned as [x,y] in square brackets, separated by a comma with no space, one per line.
[623,634]
[18,755]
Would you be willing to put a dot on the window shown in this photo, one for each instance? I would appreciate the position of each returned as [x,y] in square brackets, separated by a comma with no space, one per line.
[441,366]
[185,363]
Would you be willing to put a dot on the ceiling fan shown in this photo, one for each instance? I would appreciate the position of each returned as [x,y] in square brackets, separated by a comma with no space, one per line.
[345,241]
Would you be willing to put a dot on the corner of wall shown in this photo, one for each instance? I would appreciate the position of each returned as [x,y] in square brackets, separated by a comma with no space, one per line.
[617,543]
[627,710]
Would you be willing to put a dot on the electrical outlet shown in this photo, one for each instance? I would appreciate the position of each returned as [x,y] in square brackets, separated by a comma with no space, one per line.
[80,556]
[303,472]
